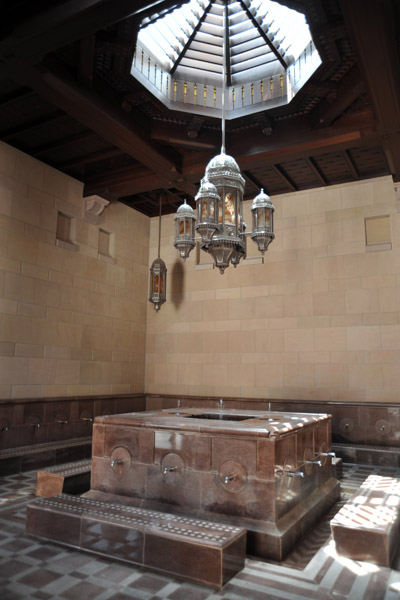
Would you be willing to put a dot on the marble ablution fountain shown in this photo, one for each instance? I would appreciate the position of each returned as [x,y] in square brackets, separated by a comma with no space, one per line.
[265,473]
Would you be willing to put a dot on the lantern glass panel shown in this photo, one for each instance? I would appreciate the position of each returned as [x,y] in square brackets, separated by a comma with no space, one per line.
[220,211]
[268,217]
[230,207]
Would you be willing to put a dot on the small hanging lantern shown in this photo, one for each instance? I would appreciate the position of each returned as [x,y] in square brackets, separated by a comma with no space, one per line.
[263,221]
[207,200]
[158,283]
[158,276]
[184,230]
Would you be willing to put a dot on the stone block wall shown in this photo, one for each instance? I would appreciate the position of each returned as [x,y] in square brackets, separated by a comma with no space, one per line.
[319,320]
[72,316]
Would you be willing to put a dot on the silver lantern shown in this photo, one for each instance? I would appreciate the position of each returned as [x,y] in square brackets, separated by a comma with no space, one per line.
[228,242]
[207,200]
[263,221]
[184,230]
[158,283]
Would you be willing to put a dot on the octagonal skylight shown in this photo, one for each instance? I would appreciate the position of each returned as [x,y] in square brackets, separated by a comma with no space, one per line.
[270,54]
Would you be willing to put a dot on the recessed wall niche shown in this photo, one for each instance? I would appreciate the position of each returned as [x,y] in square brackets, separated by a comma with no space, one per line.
[106,245]
[377,233]
[65,231]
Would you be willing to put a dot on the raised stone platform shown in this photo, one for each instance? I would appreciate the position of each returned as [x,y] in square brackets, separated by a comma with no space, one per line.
[205,552]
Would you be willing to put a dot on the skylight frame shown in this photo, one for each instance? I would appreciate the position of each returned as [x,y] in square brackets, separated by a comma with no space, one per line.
[268,74]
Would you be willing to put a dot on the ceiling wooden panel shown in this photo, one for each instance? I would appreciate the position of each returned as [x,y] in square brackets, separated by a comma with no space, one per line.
[67,98]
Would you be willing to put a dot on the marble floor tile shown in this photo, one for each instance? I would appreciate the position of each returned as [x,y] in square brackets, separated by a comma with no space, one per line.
[36,570]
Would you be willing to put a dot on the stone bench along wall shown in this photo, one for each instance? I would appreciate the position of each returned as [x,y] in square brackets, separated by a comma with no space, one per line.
[35,421]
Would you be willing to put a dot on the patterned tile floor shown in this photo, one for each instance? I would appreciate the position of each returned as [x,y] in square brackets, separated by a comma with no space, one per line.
[34,569]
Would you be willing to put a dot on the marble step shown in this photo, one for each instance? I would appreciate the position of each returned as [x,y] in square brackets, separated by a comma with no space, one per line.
[202,551]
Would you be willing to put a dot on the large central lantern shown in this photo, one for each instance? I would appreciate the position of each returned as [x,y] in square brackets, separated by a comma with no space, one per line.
[219,207]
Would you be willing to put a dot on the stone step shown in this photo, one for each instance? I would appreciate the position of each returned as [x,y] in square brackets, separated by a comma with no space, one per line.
[70,478]
[203,551]
[366,528]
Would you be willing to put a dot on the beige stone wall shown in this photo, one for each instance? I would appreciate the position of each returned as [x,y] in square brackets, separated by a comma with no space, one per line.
[71,321]
[319,320]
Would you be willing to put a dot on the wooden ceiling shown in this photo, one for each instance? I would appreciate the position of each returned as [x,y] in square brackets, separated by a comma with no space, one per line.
[67,98]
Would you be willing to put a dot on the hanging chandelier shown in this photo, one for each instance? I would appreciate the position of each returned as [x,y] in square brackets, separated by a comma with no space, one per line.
[219,206]
[158,275]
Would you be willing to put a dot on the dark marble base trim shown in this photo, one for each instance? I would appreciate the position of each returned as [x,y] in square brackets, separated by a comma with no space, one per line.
[93,397]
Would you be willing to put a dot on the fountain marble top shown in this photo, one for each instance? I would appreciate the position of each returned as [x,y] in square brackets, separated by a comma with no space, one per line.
[216,421]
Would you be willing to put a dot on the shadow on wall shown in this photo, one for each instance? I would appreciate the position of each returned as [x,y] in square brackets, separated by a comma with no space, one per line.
[177,284]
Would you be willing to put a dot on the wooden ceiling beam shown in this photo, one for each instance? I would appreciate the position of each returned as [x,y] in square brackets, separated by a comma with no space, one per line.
[285,177]
[89,158]
[106,120]
[123,182]
[55,117]
[311,165]
[16,96]
[87,51]
[255,184]
[64,142]
[190,39]
[374,31]
[69,22]
[258,150]
[263,35]
[117,174]
[350,163]
[124,189]
[349,89]
[180,135]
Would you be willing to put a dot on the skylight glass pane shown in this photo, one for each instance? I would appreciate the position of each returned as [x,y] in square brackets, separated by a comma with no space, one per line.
[171,32]
[166,37]
[179,55]
[282,24]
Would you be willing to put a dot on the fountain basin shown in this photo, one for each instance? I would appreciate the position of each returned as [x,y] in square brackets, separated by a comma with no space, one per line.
[266,471]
